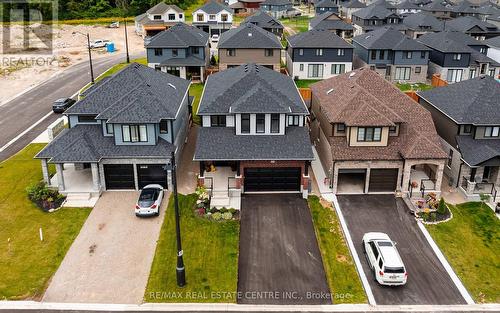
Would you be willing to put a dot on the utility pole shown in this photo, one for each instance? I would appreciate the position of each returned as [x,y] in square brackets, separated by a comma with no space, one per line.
[90,59]
[126,40]
[181,273]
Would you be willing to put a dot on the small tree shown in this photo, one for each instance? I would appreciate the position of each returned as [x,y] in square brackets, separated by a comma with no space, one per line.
[441,207]
[213,61]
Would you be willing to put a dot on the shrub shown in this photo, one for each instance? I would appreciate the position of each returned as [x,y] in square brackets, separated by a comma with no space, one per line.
[213,210]
[223,210]
[232,210]
[227,216]
[217,216]
[441,209]
[213,61]
[433,217]
[43,196]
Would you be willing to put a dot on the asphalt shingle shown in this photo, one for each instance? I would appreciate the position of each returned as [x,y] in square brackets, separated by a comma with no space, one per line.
[179,36]
[388,38]
[214,7]
[263,20]
[249,36]
[317,39]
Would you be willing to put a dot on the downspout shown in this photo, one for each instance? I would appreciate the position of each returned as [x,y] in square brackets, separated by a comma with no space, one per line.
[459,174]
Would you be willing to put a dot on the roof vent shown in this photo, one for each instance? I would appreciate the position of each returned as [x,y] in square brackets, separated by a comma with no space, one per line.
[352,74]
[329,91]
[256,68]
[172,86]
[249,34]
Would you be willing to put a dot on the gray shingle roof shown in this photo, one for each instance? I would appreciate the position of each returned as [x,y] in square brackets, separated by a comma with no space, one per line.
[465,23]
[444,42]
[248,36]
[436,6]
[189,61]
[276,2]
[388,38]
[322,22]
[473,101]
[86,143]
[179,36]
[353,4]
[477,151]
[161,7]
[493,42]
[373,11]
[250,88]
[407,5]
[326,4]
[221,143]
[423,21]
[317,39]
[132,94]
[213,7]
[263,20]
[463,7]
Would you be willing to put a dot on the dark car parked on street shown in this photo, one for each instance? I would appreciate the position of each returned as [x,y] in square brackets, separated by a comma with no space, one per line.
[60,105]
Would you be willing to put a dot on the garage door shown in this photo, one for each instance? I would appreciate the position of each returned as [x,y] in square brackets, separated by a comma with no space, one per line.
[119,176]
[272,179]
[383,180]
[151,174]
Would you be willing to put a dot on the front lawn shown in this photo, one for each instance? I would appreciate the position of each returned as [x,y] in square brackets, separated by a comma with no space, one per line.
[414,87]
[26,263]
[299,24]
[341,273]
[210,258]
[195,91]
[471,243]
[305,83]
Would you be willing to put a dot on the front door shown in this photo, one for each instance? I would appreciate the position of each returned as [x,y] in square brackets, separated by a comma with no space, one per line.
[486,174]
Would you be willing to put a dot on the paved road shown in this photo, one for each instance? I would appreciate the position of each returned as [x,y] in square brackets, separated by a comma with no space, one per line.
[218,310]
[279,261]
[20,113]
[428,281]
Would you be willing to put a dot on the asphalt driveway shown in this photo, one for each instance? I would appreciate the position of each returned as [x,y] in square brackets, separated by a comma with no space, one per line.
[110,260]
[428,281]
[279,261]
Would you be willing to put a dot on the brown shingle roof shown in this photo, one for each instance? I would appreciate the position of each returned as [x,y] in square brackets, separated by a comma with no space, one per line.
[364,98]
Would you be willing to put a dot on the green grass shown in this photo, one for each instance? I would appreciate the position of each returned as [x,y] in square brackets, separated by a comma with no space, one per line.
[196,90]
[299,24]
[305,83]
[341,273]
[210,258]
[471,243]
[26,263]
[415,87]
[86,21]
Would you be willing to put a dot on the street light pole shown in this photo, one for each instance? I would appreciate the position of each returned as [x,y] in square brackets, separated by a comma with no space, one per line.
[90,59]
[181,273]
[126,40]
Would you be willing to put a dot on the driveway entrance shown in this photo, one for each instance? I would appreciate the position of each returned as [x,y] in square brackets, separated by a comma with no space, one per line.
[279,261]
[110,260]
[428,281]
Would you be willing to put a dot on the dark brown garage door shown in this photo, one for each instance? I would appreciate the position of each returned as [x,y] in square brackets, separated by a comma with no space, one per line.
[119,176]
[272,179]
[151,174]
[383,180]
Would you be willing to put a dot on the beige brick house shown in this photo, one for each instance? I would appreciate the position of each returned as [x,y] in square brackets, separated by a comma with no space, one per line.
[372,138]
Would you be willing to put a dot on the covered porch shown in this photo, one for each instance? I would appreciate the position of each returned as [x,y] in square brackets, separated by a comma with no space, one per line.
[222,181]
[421,177]
[480,180]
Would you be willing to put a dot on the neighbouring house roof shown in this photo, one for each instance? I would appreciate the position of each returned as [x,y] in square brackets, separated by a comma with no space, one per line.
[276,2]
[139,18]
[222,143]
[463,7]
[494,17]
[493,42]
[317,39]
[237,5]
[323,21]
[444,42]
[407,5]
[488,9]
[374,11]
[191,60]
[248,36]
[466,23]
[86,143]
[388,38]
[364,98]
[136,94]
[162,7]
[436,6]
[213,7]
[263,20]
[250,88]
[353,4]
[326,4]
[478,151]
[179,36]
[472,101]
[423,21]
[399,27]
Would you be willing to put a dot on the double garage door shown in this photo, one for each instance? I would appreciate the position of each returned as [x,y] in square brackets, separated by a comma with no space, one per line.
[272,179]
[121,176]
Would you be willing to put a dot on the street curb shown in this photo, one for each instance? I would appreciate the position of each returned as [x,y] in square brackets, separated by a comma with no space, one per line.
[359,268]
[458,283]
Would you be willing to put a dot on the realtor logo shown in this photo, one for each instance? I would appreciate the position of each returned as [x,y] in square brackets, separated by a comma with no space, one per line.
[27,26]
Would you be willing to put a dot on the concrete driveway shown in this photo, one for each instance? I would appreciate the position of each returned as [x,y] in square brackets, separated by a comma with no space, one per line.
[110,260]
[428,281]
[279,261]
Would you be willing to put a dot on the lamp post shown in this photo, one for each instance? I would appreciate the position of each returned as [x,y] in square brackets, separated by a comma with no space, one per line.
[181,273]
[126,40]
[90,55]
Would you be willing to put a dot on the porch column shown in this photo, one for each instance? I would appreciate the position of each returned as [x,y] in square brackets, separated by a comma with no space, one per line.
[60,177]
[202,74]
[202,169]
[439,176]
[367,179]
[335,178]
[95,176]
[136,177]
[238,169]
[45,171]
[406,176]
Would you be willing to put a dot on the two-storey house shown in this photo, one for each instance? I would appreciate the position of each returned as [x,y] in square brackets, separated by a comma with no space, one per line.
[407,7]
[276,8]
[317,54]
[375,16]
[266,22]
[121,134]
[456,56]
[422,23]
[372,138]
[213,18]
[493,48]
[158,18]
[473,27]
[332,22]
[467,117]
[393,55]
[249,44]
[326,6]
[253,136]
[244,6]
[438,10]
[182,50]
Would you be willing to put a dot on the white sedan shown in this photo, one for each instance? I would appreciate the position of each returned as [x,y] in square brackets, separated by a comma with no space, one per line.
[149,201]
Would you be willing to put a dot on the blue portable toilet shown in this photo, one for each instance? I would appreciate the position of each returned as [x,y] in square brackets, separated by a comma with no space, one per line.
[110,47]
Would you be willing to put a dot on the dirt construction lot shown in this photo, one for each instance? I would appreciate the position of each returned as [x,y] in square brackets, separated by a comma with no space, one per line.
[19,71]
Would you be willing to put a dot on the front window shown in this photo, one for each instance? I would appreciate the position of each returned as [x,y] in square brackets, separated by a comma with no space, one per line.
[315,71]
[260,120]
[245,123]
[319,52]
[373,54]
[301,51]
[171,17]
[275,123]
[467,129]
[218,121]
[109,128]
[457,57]
[230,52]
[163,127]
[134,133]
[199,17]
[268,52]
[418,69]
[369,134]
[408,55]
[293,120]
[454,76]
[195,50]
[450,158]
[341,128]
[382,54]
[402,73]
[211,17]
[340,52]
[422,55]
[338,68]
[492,131]
[157,17]
[158,52]
[492,72]
[301,67]
[87,118]
[175,52]
[223,17]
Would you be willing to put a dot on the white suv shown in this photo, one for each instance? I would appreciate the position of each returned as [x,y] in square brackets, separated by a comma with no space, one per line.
[384,259]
